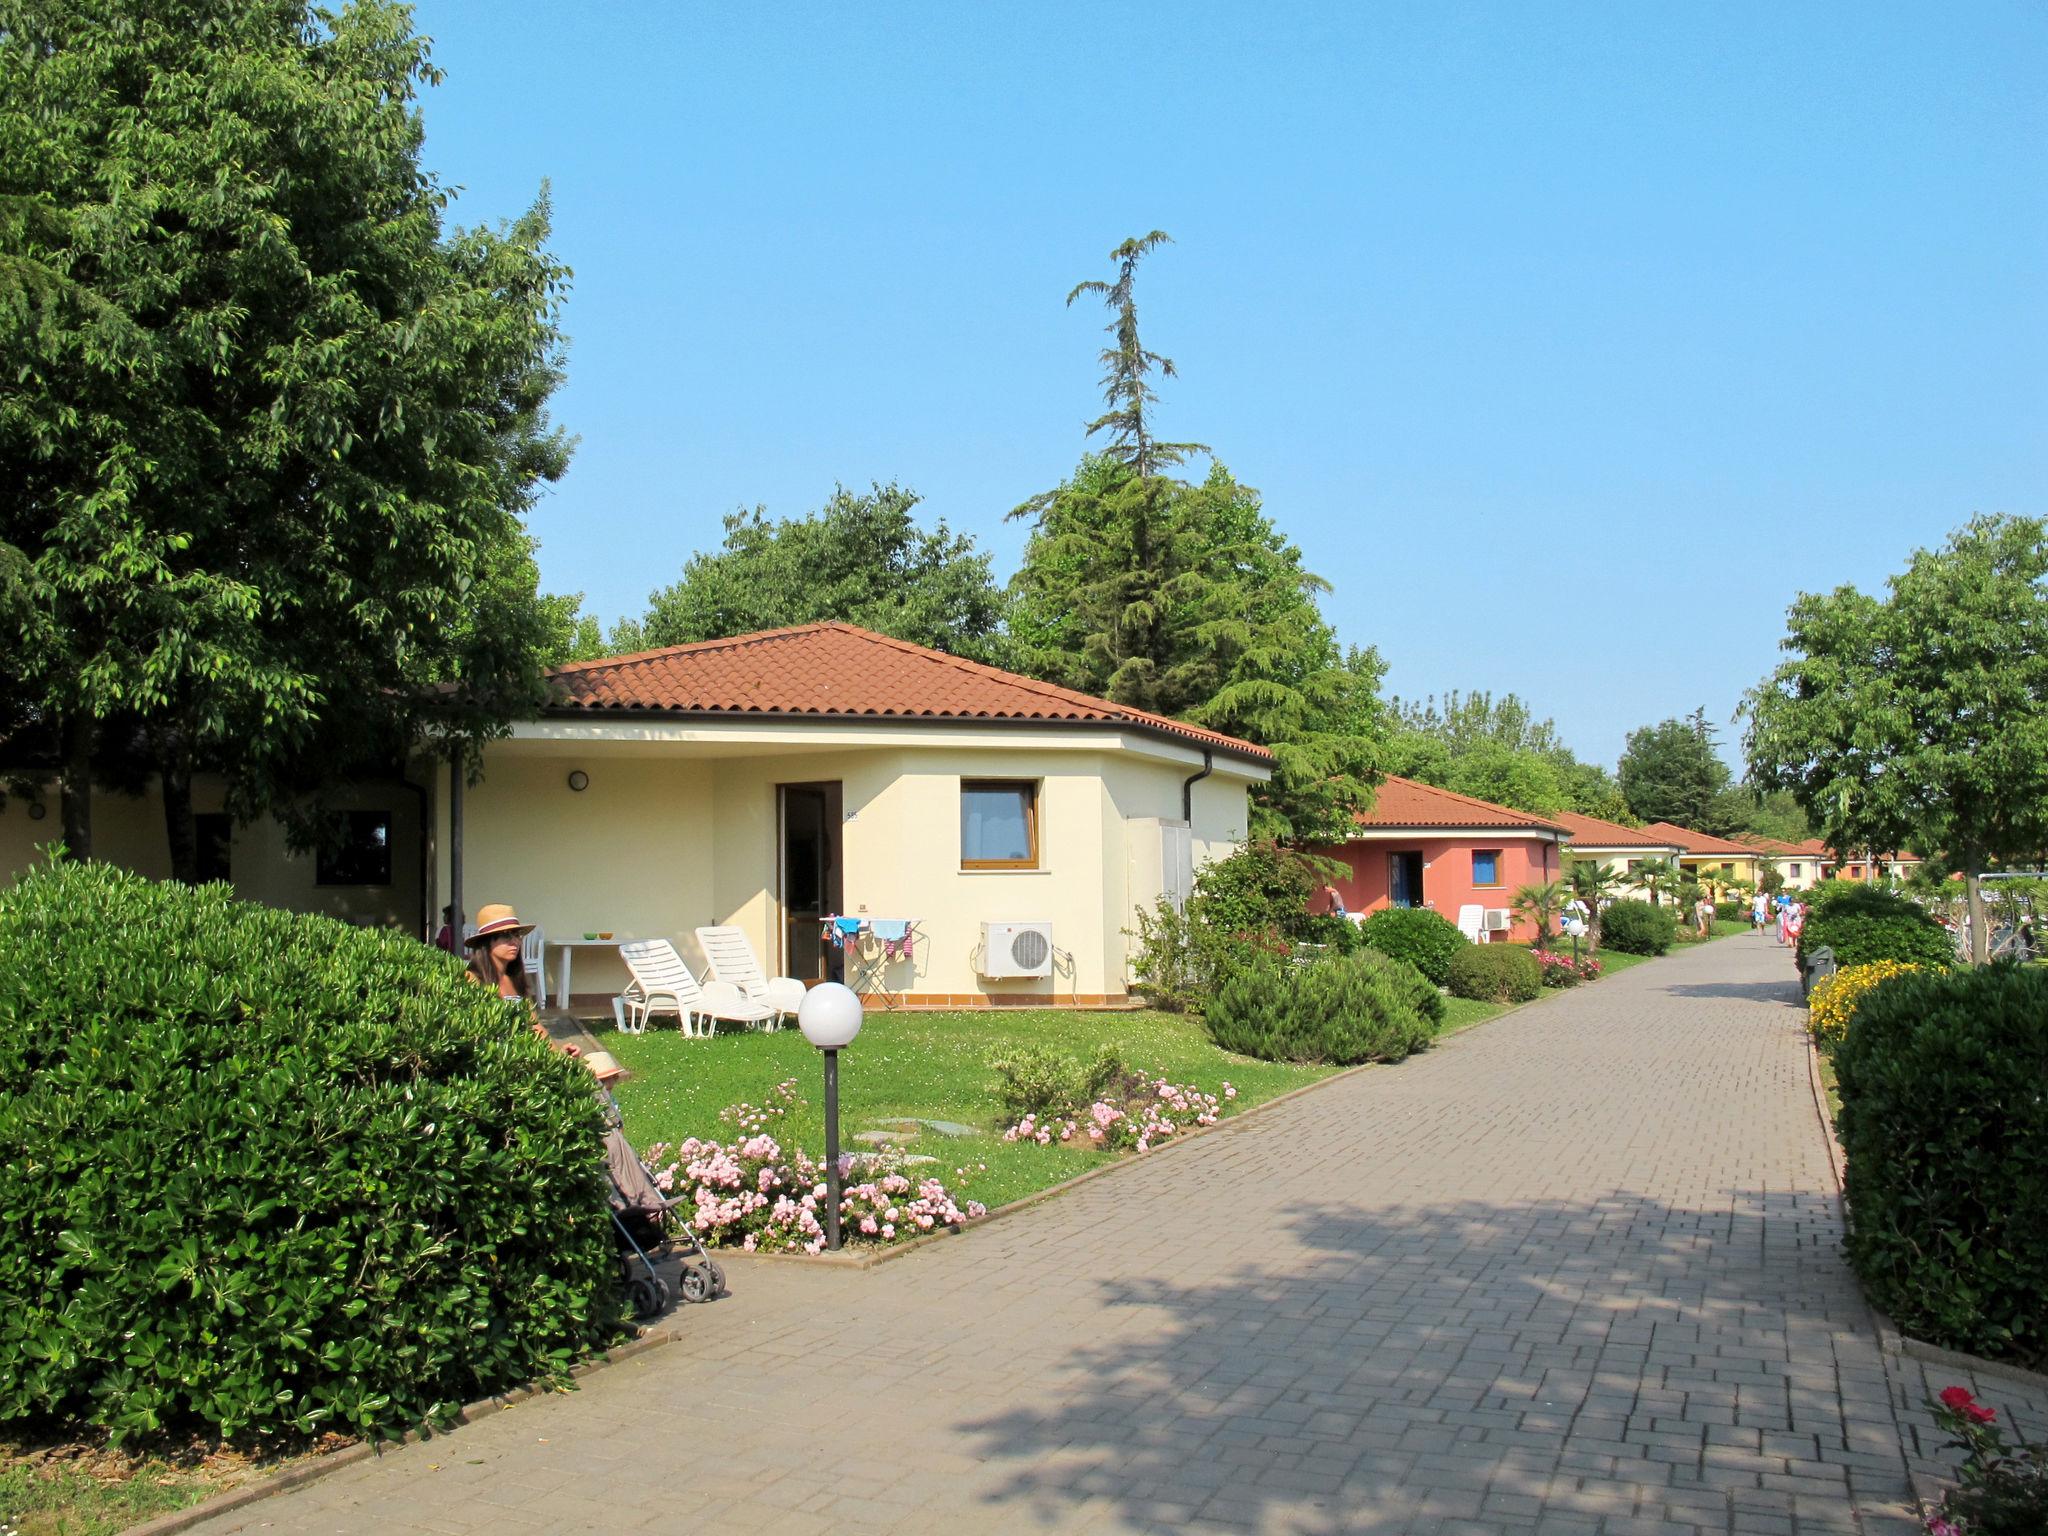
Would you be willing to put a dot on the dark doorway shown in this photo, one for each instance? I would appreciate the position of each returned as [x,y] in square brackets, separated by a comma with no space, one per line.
[809,816]
[1404,879]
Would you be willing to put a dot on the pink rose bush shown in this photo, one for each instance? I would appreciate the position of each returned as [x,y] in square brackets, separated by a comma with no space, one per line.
[749,1193]
[1143,1111]
[1563,971]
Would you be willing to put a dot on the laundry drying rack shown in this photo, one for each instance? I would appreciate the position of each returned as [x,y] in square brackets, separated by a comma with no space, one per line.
[871,945]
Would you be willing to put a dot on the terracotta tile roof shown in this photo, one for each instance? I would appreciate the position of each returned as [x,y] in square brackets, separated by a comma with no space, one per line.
[836,671]
[1405,803]
[1592,832]
[1699,844]
[1810,849]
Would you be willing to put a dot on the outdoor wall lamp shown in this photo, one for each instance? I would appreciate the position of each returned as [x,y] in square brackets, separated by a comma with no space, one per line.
[578,780]
[830,1016]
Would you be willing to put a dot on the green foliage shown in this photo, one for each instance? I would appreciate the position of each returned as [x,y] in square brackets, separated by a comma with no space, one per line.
[1496,749]
[267,427]
[1671,772]
[1254,902]
[861,559]
[1427,940]
[1184,599]
[1920,720]
[1031,1080]
[1343,1010]
[264,1174]
[1866,923]
[1495,973]
[1946,1131]
[1637,928]
[1540,904]
[1731,911]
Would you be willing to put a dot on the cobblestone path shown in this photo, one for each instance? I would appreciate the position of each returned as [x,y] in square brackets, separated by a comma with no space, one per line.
[1576,1270]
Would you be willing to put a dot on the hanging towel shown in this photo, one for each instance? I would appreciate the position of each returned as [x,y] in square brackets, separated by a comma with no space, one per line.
[847,927]
[890,931]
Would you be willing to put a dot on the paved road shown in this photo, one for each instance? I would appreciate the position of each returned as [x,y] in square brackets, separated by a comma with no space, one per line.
[1573,1271]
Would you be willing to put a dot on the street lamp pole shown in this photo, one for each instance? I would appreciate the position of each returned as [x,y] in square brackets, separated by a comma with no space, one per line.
[830,1016]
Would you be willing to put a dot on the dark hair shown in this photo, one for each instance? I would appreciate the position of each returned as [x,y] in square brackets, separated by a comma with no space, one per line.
[484,966]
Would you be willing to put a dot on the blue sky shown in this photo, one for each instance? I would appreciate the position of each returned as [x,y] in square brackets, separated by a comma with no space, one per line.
[1569,342]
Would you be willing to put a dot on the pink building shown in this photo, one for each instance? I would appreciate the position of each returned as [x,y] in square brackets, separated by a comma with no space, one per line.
[1420,846]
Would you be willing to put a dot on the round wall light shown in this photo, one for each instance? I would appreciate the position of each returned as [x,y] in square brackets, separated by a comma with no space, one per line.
[37,810]
[579,780]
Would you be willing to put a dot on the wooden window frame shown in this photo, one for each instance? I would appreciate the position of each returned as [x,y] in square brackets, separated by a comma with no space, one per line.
[1031,789]
[1496,883]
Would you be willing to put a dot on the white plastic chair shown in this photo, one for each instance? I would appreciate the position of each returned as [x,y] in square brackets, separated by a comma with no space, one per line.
[533,954]
[731,957]
[1472,923]
[663,984]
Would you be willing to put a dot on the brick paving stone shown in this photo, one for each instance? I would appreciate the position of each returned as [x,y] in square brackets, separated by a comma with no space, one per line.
[1575,1272]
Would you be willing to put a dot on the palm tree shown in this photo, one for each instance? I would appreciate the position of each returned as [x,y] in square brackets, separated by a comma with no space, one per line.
[1540,903]
[1654,878]
[1594,883]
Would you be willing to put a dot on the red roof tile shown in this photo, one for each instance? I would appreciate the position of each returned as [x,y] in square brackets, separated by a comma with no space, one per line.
[1592,832]
[836,671]
[1810,849]
[1405,803]
[1699,844]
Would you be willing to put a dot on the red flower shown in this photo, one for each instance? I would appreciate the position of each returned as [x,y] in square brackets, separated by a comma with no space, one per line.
[1958,1400]
[1977,1413]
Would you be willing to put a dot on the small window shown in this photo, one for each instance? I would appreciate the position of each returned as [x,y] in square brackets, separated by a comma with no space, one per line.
[215,834]
[363,854]
[1486,866]
[1795,871]
[998,824]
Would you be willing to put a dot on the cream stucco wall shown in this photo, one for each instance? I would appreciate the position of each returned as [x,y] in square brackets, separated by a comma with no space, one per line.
[129,831]
[671,835]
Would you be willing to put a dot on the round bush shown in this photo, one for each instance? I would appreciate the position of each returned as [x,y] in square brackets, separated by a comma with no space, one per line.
[1341,1010]
[1731,911]
[1426,940]
[1863,924]
[1946,1130]
[1496,973]
[265,1174]
[1835,998]
[1637,928]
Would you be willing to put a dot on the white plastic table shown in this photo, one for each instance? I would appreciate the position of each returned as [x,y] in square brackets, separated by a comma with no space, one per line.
[568,947]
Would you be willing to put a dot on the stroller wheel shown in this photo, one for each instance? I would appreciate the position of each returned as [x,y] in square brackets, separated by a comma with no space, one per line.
[697,1285]
[662,1294]
[717,1277]
[647,1296]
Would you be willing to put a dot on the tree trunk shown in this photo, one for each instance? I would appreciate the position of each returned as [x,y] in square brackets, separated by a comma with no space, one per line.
[75,787]
[1980,934]
[180,830]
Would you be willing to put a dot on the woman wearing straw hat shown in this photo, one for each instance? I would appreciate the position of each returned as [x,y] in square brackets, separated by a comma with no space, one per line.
[494,957]
[495,961]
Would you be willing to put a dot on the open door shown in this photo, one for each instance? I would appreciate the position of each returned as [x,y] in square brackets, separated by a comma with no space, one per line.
[1404,879]
[809,819]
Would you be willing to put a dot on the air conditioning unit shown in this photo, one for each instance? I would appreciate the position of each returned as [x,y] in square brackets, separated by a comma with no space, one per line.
[1499,920]
[1016,949]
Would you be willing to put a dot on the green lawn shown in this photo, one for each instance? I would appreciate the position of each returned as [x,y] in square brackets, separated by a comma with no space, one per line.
[925,1065]
[62,1500]
[1463,1013]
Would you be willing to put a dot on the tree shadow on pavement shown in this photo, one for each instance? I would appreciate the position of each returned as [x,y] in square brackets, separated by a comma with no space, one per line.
[1785,991]
[1467,1366]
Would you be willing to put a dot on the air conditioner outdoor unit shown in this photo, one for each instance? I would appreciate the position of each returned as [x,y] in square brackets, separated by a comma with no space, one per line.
[1016,949]
[1499,919]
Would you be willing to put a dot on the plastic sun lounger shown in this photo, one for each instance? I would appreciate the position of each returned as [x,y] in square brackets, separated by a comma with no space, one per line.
[732,959]
[663,984]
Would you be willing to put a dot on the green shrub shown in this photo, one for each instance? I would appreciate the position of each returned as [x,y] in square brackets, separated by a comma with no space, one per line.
[1408,983]
[1038,1082]
[1946,1129]
[1254,903]
[1731,911]
[1426,940]
[1863,924]
[264,1174]
[1341,1010]
[1496,973]
[1637,928]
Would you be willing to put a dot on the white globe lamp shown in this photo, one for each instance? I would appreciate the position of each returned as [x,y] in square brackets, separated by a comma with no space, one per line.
[830,1017]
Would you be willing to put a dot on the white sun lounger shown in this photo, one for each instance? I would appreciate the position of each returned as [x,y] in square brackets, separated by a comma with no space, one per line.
[731,957]
[663,984]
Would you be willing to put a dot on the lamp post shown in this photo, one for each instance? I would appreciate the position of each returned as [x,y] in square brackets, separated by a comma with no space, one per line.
[830,1016]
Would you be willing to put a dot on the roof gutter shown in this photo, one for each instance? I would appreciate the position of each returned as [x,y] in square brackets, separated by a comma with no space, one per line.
[1187,786]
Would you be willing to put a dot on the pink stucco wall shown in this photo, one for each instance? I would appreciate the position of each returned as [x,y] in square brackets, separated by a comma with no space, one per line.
[1446,872]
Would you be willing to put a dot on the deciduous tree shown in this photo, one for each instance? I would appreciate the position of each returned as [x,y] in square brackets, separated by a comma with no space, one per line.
[1920,719]
[1671,772]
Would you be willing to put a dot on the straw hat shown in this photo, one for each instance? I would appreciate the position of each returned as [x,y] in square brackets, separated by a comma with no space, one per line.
[493,920]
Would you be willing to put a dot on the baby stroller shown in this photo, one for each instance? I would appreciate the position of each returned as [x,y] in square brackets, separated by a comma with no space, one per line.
[649,1230]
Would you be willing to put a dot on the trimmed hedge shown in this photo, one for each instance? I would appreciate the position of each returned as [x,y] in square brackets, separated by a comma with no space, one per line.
[1496,973]
[1426,940]
[1863,924]
[1946,1129]
[1341,1010]
[1637,928]
[264,1175]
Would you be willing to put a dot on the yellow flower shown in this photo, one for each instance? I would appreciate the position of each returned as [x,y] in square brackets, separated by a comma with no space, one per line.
[1835,999]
